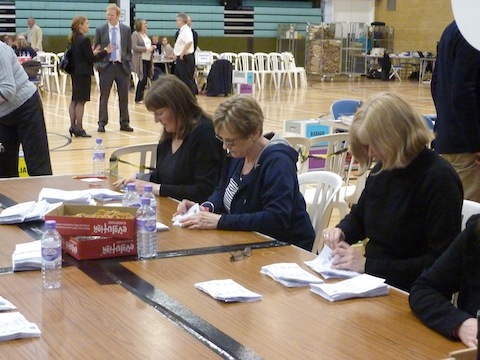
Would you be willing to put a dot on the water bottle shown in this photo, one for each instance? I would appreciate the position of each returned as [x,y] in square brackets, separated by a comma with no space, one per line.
[51,256]
[98,158]
[148,194]
[146,230]
[131,196]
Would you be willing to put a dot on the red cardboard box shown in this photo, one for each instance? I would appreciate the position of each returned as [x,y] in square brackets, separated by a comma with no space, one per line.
[70,225]
[98,247]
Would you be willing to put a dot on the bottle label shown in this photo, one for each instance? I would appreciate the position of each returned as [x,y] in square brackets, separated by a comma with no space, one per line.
[99,156]
[151,225]
[51,254]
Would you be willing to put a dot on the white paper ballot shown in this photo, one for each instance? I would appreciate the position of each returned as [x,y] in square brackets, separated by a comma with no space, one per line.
[322,264]
[13,325]
[290,274]
[228,290]
[360,286]
[193,210]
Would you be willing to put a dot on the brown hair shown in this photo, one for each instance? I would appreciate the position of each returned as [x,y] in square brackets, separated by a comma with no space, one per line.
[77,21]
[170,92]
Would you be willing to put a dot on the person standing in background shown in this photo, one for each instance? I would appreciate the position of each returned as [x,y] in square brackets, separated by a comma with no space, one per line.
[142,57]
[194,33]
[34,35]
[83,57]
[116,67]
[21,120]
[456,93]
[183,50]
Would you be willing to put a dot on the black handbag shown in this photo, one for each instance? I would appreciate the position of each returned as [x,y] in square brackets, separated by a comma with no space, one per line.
[66,63]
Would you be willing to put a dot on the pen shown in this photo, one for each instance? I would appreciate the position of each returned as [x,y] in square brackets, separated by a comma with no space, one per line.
[89,177]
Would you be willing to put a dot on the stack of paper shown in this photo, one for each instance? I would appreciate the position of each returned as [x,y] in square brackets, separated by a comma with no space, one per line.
[105,195]
[290,274]
[360,286]
[27,256]
[228,290]
[322,264]
[69,197]
[27,211]
[13,325]
[6,305]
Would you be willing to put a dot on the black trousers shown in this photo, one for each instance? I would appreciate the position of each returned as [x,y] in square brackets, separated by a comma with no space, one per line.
[26,126]
[184,70]
[114,72]
[139,92]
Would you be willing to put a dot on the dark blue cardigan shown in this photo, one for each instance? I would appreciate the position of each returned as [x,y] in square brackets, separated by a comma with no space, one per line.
[270,201]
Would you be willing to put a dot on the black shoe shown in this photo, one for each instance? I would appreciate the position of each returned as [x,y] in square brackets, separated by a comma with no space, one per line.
[126,128]
[101,128]
[71,131]
[81,133]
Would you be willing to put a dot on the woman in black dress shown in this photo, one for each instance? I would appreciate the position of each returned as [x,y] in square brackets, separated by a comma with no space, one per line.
[83,56]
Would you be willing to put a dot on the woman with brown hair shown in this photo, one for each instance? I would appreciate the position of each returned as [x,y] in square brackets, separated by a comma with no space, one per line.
[189,157]
[83,57]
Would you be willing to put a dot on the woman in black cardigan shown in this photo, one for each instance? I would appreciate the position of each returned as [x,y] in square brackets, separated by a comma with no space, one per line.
[83,58]
[189,157]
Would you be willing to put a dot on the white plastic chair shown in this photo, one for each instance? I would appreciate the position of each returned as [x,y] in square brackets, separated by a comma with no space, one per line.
[292,69]
[144,157]
[302,145]
[230,56]
[278,69]
[340,161]
[262,68]
[469,208]
[325,186]
[64,76]
[245,61]
[51,70]
[395,72]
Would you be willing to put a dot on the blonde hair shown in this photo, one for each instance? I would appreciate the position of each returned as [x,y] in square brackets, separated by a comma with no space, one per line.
[240,114]
[114,7]
[392,127]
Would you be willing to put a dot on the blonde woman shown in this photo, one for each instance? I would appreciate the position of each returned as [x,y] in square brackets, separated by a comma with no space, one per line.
[410,209]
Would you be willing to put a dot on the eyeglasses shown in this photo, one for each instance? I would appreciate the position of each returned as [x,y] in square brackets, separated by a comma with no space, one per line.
[240,254]
[228,143]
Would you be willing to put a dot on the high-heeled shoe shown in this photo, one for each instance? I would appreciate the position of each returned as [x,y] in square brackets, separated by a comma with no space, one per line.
[71,131]
[81,133]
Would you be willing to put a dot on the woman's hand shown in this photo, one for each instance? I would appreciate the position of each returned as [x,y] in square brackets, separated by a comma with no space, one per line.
[332,236]
[96,49]
[347,258]
[123,182]
[139,184]
[183,207]
[467,332]
[201,220]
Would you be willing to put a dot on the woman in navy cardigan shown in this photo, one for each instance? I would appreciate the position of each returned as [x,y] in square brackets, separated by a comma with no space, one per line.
[83,57]
[259,187]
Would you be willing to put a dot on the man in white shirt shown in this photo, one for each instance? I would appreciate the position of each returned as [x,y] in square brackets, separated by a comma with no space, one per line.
[34,35]
[183,50]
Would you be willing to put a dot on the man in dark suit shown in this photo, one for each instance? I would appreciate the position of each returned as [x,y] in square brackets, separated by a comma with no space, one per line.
[183,50]
[116,67]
